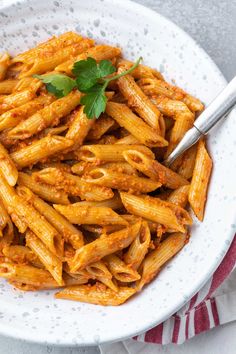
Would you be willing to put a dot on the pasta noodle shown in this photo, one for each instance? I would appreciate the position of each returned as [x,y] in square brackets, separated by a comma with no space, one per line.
[73,185]
[159,87]
[40,149]
[14,116]
[51,262]
[4,64]
[99,52]
[135,125]
[154,169]
[94,251]
[7,86]
[68,231]
[118,180]
[155,260]
[157,210]
[49,115]
[200,181]
[108,153]
[96,294]
[139,247]
[120,270]
[86,214]
[47,192]
[7,167]
[139,101]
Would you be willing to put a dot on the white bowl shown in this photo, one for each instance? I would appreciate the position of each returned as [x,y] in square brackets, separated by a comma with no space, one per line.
[139,31]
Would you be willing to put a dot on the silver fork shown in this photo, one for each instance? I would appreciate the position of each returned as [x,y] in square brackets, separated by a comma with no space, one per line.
[213,114]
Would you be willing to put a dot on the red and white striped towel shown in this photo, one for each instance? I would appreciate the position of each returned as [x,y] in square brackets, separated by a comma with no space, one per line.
[207,309]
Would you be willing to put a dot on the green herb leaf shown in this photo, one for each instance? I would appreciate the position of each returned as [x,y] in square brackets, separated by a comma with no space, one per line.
[105,68]
[52,89]
[88,72]
[58,84]
[94,101]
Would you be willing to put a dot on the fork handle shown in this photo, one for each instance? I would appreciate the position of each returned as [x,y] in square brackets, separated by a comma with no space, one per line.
[218,109]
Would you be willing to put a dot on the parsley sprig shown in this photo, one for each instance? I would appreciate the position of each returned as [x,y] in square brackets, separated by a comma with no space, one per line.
[91,78]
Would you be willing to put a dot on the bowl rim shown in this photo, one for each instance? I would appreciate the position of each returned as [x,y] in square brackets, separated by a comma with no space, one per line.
[18,334]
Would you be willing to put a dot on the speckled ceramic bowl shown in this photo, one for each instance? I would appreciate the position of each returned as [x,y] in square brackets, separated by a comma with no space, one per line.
[38,316]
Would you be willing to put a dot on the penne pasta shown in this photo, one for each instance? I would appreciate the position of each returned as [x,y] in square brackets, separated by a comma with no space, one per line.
[108,153]
[62,41]
[139,247]
[104,245]
[17,206]
[157,258]
[120,270]
[199,184]
[137,100]
[51,262]
[128,140]
[187,162]
[98,269]
[49,115]
[97,294]
[27,82]
[79,127]
[141,71]
[107,140]
[184,119]
[4,64]
[109,283]
[82,168]
[179,196]
[157,210]
[70,233]
[86,214]
[18,221]
[6,227]
[7,167]
[22,255]
[100,127]
[17,99]
[99,52]
[40,149]
[153,169]
[44,191]
[42,64]
[7,86]
[14,116]
[181,126]
[5,241]
[113,203]
[152,87]
[117,180]
[73,185]
[68,281]
[28,275]
[135,125]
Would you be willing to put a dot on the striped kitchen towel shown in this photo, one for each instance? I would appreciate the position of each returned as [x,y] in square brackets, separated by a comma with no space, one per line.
[213,305]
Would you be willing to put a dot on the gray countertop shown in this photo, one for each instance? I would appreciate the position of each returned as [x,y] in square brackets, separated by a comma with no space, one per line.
[212,24]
